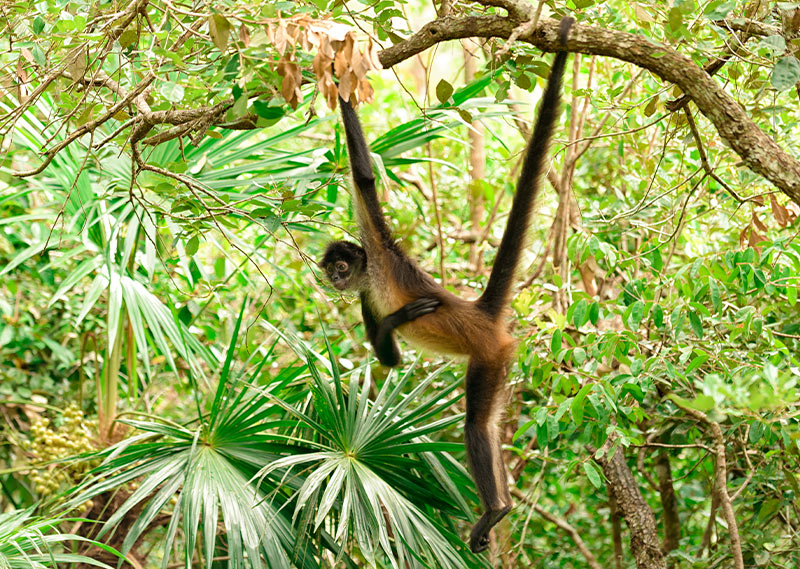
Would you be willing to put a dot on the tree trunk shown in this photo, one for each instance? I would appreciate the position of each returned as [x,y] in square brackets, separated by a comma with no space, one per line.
[645,544]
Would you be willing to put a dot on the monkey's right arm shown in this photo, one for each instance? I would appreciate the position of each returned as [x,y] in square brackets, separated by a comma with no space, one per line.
[380,335]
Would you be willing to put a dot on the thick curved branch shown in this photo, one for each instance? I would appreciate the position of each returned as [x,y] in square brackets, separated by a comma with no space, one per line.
[758,151]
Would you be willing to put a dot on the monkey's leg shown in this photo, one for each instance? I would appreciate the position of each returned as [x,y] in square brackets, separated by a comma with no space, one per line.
[485,389]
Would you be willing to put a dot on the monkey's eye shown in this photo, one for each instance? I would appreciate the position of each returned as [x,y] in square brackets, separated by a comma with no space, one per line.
[341,266]
[329,269]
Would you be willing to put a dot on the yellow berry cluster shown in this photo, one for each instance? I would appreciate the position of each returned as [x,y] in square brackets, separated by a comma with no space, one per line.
[73,437]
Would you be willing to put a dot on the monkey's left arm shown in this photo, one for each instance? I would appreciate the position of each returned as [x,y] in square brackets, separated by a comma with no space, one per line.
[409,312]
[385,348]
[380,335]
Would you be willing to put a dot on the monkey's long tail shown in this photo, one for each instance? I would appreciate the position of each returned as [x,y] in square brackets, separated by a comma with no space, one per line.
[495,297]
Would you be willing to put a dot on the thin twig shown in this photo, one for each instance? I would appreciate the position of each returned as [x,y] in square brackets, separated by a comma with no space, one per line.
[704,158]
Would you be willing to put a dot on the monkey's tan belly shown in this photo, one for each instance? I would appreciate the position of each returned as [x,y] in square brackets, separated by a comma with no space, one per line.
[445,333]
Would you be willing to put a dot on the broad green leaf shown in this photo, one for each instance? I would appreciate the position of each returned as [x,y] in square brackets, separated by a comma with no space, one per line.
[219,28]
[555,342]
[444,91]
[697,325]
[172,92]
[592,473]
[577,404]
[786,73]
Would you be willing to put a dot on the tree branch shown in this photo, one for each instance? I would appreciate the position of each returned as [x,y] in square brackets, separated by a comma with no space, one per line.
[645,544]
[758,151]
[721,479]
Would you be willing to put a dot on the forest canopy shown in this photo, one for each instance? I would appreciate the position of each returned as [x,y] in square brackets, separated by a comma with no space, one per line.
[180,386]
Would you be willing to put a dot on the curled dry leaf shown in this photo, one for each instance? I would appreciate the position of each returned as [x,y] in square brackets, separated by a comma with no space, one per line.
[77,66]
[780,213]
[323,71]
[794,211]
[22,75]
[372,52]
[758,223]
[26,53]
[244,35]
[334,30]
[365,91]
[335,45]
[743,235]
[755,239]
[290,86]
[281,37]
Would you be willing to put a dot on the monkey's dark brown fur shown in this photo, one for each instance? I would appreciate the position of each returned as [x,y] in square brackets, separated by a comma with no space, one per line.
[396,293]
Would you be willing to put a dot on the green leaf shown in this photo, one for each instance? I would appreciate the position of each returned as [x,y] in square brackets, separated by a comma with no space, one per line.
[579,356]
[555,342]
[758,325]
[594,313]
[715,296]
[38,25]
[775,44]
[592,473]
[696,324]
[637,312]
[675,18]
[562,409]
[579,313]
[172,92]
[634,390]
[265,111]
[696,363]
[718,9]
[128,38]
[655,257]
[444,91]
[192,245]
[577,404]
[39,55]
[523,429]
[239,108]
[219,28]
[786,73]
[658,316]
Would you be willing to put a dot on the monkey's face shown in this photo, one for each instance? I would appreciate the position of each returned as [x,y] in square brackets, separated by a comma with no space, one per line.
[338,273]
[344,264]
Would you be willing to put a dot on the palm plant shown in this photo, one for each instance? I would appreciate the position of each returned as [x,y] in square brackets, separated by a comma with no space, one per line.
[203,469]
[374,486]
[368,470]
[27,542]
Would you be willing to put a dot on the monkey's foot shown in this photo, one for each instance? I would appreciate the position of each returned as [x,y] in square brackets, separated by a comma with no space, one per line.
[479,536]
[421,307]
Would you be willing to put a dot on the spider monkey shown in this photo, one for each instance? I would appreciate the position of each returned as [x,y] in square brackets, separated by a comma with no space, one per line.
[396,293]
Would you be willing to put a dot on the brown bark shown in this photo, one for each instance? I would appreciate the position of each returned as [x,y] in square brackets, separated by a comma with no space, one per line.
[672,523]
[645,544]
[616,530]
[758,151]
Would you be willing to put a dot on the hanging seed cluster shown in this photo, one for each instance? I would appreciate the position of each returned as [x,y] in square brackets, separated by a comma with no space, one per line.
[48,443]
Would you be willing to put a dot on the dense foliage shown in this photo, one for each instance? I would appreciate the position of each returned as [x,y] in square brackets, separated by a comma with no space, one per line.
[178,385]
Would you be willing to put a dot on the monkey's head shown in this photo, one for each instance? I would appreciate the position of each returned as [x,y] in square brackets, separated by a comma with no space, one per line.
[345,265]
